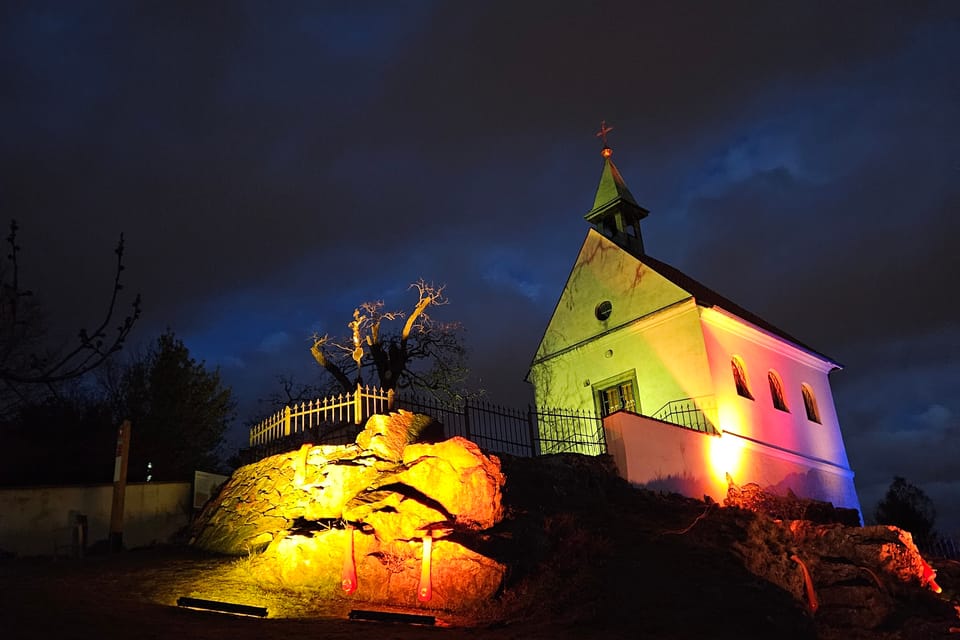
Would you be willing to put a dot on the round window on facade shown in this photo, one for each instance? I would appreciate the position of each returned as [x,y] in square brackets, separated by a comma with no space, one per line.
[603,310]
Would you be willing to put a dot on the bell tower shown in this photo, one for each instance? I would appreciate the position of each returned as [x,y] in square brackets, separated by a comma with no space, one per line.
[615,212]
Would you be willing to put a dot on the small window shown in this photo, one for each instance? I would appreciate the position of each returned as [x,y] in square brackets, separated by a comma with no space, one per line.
[603,310]
[810,403]
[740,377]
[776,391]
[619,397]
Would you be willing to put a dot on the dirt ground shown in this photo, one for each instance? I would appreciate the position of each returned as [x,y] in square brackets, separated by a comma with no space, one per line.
[599,586]
[134,594]
[587,558]
[612,591]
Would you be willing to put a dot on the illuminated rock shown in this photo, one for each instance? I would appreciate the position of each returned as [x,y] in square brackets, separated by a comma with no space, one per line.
[387,573]
[888,552]
[789,507]
[863,578]
[386,436]
[460,477]
[395,517]
[296,509]
[337,483]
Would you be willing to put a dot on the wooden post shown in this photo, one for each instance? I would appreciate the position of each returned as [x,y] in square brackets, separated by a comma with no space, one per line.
[286,420]
[391,399]
[602,433]
[119,486]
[358,405]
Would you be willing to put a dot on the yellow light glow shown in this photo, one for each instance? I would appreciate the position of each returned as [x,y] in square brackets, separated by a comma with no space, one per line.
[726,457]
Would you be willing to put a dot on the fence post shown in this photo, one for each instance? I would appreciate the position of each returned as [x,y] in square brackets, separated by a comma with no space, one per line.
[466,421]
[286,420]
[602,433]
[534,436]
[391,398]
[358,405]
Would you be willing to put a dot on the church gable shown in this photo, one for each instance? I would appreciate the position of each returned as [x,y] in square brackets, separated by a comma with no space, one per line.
[608,287]
[668,363]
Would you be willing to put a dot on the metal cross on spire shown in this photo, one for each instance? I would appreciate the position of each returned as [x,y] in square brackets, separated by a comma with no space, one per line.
[606,152]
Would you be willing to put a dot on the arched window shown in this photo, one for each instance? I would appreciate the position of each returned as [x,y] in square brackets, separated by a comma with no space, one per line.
[776,391]
[810,403]
[740,377]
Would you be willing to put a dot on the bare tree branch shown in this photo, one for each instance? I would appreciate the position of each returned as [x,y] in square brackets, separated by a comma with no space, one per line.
[395,357]
[291,393]
[21,362]
[320,355]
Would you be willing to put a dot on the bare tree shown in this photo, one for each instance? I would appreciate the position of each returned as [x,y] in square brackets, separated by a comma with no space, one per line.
[25,359]
[291,392]
[423,354]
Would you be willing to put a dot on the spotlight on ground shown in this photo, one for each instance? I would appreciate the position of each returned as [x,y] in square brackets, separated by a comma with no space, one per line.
[222,607]
[389,616]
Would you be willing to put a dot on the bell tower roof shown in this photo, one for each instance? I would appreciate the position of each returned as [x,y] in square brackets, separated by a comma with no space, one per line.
[615,211]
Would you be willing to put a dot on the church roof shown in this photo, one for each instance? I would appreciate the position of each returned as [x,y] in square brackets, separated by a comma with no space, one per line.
[611,192]
[614,199]
[705,296]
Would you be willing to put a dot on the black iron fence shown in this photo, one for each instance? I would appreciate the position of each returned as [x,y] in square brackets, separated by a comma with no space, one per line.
[519,432]
[942,547]
[697,414]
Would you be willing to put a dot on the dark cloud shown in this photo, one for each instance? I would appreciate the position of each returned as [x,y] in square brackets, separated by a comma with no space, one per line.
[273,166]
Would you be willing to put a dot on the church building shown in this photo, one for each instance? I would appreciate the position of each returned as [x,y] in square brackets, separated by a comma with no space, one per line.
[694,390]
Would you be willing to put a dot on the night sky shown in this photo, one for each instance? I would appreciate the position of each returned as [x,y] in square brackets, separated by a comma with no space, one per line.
[274,164]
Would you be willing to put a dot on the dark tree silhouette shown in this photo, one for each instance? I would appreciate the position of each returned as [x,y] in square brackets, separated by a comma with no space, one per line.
[24,359]
[68,439]
[179,412]
[908,507]
[422,354]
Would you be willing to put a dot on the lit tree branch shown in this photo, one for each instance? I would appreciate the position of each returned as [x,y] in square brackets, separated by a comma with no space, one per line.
[320,355]
[393,355]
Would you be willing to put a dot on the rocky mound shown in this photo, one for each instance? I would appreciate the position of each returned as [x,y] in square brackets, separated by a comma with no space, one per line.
[668,566]
[567,546]
[386,520]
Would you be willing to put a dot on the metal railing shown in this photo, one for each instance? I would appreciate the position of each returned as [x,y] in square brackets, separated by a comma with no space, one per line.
[697,414]
[346,408]
[943,547]
[519,432]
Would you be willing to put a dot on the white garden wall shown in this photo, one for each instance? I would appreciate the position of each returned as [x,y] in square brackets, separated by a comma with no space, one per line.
[42,520]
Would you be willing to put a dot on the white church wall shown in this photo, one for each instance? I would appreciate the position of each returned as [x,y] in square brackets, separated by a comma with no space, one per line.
[726,336]
[604,272]
[664,457]
[42,520]
[664,353]
[779,471]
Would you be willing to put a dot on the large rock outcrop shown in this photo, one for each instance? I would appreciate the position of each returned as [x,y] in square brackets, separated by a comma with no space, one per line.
[789,507]
[366,519]
[853,579]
